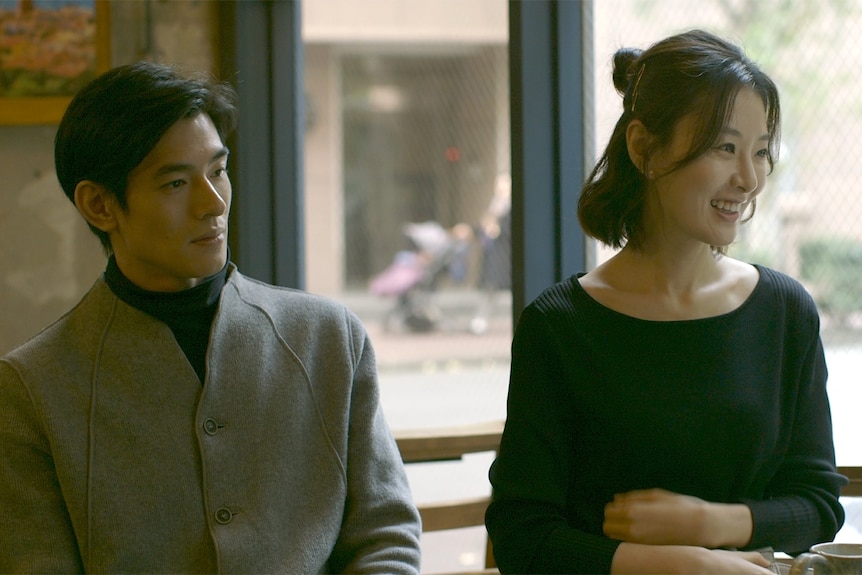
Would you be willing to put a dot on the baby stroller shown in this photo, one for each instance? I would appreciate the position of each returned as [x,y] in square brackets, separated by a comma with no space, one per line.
[414,274]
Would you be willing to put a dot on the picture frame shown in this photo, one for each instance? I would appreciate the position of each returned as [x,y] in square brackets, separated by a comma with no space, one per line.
[39,78]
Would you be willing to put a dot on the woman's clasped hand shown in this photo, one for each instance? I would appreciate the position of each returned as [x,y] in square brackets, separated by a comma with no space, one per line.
[688,527]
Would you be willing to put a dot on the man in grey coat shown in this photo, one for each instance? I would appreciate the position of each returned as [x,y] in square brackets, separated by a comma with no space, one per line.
[182,417]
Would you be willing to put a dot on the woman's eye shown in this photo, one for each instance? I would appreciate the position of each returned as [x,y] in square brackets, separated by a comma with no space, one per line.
[763,153]
[220,172]
[730,148]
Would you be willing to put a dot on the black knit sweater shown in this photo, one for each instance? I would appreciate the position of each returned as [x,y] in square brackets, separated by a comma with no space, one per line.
[730,409]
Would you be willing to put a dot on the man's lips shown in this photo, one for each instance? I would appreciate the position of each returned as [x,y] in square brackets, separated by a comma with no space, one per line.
[210,236]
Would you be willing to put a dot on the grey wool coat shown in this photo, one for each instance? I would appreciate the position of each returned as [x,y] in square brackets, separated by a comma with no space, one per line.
[114,458]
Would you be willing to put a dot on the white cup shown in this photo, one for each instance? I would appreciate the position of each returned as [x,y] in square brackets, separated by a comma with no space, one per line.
[829,559]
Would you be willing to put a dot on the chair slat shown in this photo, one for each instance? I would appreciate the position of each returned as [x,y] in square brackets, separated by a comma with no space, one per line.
[854,488]
[454,514]
[441,444]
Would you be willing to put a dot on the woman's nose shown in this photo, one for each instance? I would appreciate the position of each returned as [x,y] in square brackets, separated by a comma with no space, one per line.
[746,176]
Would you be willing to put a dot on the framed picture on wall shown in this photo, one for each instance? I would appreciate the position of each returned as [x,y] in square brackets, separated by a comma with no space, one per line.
[49,49]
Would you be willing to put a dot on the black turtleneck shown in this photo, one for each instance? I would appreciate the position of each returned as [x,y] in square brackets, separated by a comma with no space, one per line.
[189,313]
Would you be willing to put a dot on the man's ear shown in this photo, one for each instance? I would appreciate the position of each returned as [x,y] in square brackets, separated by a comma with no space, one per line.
[96,205]
[638,140]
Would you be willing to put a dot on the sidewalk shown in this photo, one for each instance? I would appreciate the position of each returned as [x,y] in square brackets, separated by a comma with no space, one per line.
[451,344]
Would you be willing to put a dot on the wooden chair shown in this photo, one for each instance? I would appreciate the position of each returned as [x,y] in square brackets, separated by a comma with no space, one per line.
[451,444]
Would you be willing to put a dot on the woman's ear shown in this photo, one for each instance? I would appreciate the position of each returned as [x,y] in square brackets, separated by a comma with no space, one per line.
[638,140]
[96,205]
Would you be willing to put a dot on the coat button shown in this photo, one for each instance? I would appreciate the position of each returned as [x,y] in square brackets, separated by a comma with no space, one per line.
[210,427]
[223,515]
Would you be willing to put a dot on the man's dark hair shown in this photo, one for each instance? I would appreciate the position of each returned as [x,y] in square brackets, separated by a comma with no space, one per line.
[117,119]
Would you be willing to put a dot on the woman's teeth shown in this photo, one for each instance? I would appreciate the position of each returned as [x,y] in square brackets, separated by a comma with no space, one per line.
[730,207]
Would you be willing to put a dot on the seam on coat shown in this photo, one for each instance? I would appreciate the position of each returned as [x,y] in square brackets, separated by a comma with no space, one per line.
[320,419]
[91,433]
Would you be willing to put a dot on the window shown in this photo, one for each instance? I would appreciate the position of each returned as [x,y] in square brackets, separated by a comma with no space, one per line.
[407,207]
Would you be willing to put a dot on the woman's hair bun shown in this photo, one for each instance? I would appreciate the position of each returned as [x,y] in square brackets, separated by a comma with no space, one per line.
[623,60]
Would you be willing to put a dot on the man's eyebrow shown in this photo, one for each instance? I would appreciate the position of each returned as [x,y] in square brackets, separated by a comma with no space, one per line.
[738,134]
[173,168]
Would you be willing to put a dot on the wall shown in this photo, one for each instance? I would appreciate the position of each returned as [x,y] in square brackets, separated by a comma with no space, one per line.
[400,21]
[324,199]
[49,257]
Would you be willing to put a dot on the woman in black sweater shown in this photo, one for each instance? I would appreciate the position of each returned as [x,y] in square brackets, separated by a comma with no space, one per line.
[668,410]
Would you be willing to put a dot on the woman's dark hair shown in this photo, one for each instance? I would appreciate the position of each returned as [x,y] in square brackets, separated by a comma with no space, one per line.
[693,72]
[117,119]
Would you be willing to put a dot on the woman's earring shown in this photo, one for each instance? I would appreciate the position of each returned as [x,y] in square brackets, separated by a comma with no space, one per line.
[651,175]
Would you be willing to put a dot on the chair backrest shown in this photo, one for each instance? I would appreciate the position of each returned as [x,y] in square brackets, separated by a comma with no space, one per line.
[449,444]
[854,488]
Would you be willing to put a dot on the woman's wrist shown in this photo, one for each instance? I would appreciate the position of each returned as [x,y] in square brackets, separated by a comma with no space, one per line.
[636,558]
[728,525]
